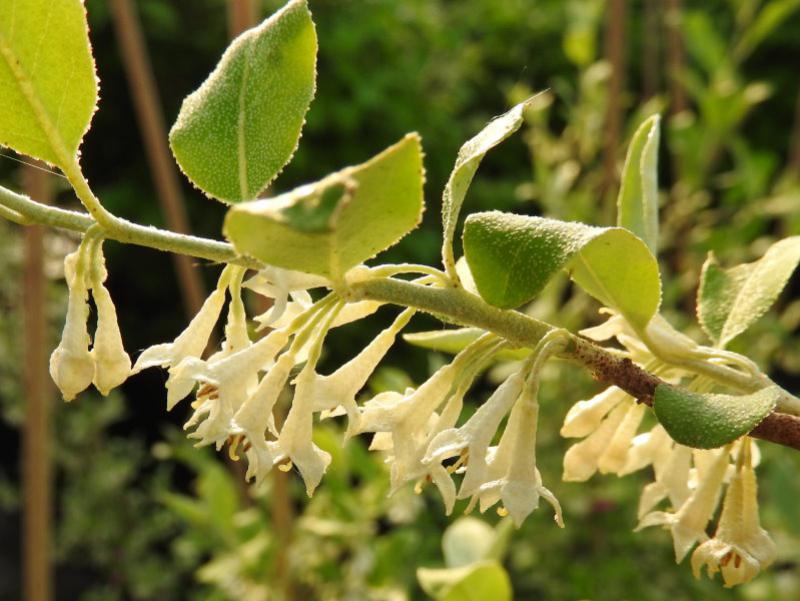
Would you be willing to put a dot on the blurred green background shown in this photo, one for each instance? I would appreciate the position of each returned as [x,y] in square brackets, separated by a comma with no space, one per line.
[140,514]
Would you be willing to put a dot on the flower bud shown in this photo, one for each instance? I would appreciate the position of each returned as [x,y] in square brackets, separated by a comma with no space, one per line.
[112,365]
[71,364]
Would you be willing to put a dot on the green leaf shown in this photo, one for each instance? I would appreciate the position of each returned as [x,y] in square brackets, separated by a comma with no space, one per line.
[237,131]
[466,541]
[476,582]
[512,257]
[708,421]
[47,78]
[455,341]
[770,17]
[730,300]
[637,203]
[469,158]
[331,225]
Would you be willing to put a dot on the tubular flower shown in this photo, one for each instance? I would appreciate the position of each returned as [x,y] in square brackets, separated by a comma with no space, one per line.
[225,385]
[279,284]
[740,547]
[688,524]
[112,365]
[513,477]
[71,363]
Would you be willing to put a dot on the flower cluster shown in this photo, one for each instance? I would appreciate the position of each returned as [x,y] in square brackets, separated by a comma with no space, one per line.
[73,364]
[690,480]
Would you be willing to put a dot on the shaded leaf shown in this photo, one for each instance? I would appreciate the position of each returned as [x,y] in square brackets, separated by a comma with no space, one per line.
[455,341]
[237,131]
[708,421]
[730,300]
[469,158]
[466,541]
[331,225]
[637,203]
[47,78]
[512,257]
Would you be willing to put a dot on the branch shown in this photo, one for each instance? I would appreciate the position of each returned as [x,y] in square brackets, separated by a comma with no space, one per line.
[452,305]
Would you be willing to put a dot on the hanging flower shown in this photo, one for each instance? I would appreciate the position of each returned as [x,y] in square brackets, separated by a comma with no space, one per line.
[112,365]
[688,524]
[71,363]
[740,547]
[279,284]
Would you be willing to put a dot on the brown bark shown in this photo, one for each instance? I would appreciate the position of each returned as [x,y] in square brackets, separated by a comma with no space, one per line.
[36,467]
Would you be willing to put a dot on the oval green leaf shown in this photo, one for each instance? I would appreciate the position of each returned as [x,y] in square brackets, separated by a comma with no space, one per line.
[483,580]
[47,78]
[708,421]
[730,300]
[237,131]
[512,257]
[329,226]
[469,158]
[637,203]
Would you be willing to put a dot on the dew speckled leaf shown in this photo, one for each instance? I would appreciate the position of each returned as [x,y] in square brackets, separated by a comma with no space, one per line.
[331,225]
[730,300]
[708,421]
[469,158]
[637,203]
[512,257]
[48,87]
[237,131]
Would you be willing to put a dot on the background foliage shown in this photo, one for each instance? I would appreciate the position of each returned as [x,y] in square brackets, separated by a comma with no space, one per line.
[142,515]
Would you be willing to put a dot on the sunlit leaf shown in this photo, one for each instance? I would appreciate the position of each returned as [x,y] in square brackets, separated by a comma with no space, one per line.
[484,580]
[47,78]
[707,421]
[469,158]
[512,257]
[637,203]
[331,225]
[236,132]
[730,300]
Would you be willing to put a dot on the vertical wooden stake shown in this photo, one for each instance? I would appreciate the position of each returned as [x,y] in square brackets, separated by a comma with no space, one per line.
[615,50]
[151,122]
[651,49]
[36,467]
[675,59]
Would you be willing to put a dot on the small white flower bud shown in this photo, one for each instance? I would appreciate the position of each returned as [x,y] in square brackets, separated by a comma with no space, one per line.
[112,365]
[71,364]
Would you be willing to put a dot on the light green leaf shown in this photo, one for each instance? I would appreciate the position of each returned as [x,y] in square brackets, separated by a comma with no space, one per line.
[512,257]
[730,300]
[466,541]
[469,158]
[237,131]
[637,203]
[48,85]
[708,421]
[770,17]
[475,582]
[455,341]
[331,225]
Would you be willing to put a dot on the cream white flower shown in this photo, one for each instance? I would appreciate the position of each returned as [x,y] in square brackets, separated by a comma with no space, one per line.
[295,440]
[672,479]
[580,460]
[584,417]
[648,448]
[71,363]
[740,547]
[340,387]
[225,385]
[279,284]
[513,477]
[688,524]
[189,344]
[112,365]
[472,439]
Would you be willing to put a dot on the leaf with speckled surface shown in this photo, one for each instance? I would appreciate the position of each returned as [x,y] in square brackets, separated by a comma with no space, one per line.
[708,421]
[730,300]
[637,203]
[469,158]
[238,130]
[512,257]
[48,85]
[329,226]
